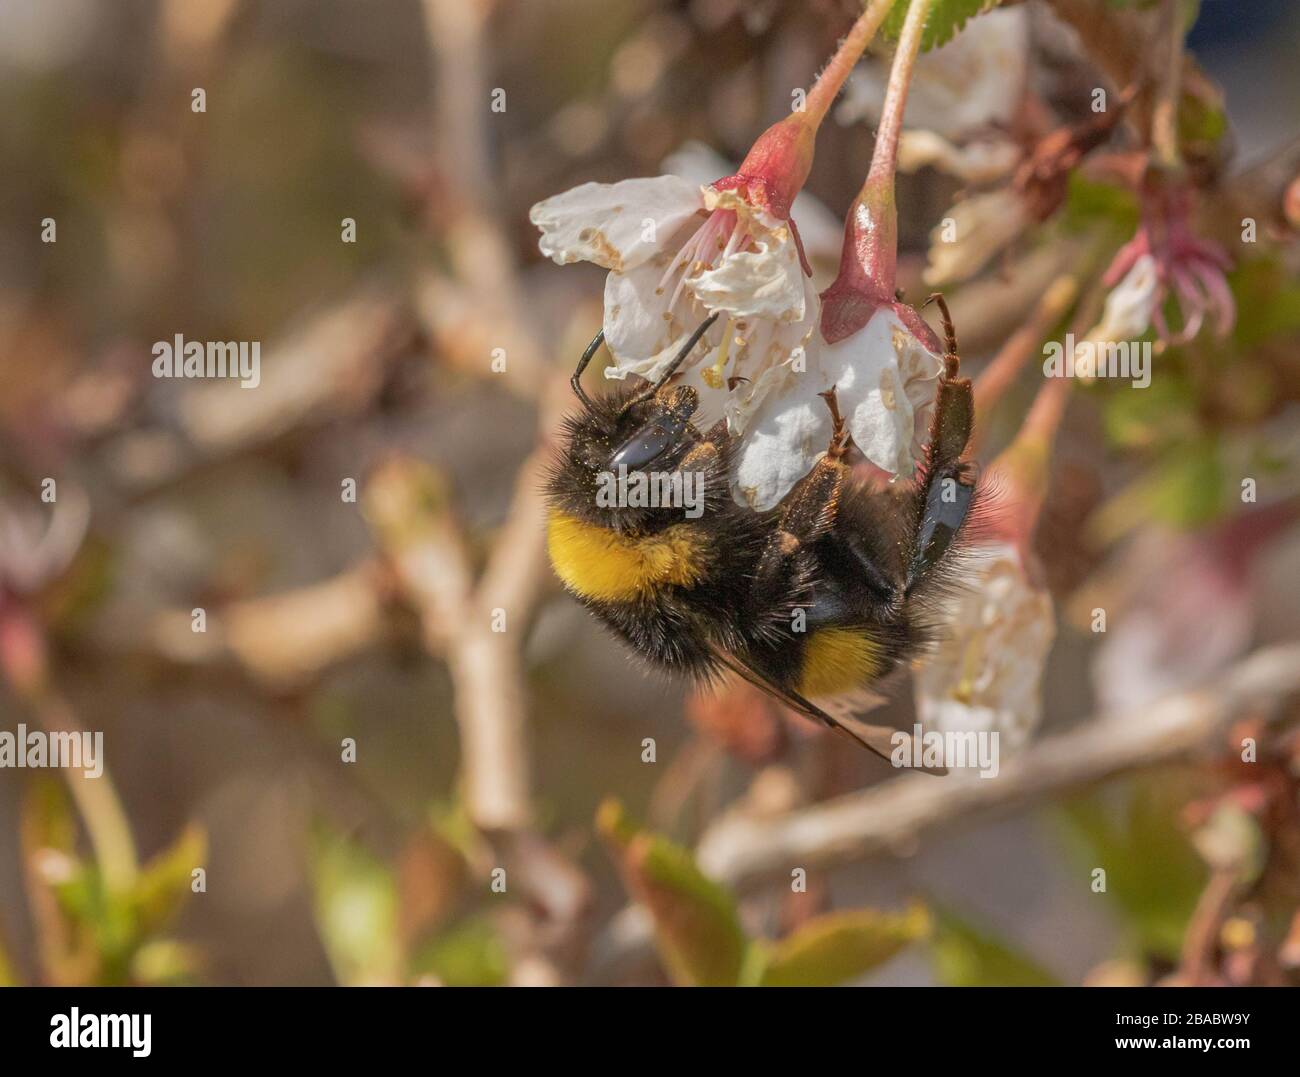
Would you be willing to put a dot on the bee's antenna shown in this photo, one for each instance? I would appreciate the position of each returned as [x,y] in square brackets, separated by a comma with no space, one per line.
[687,348]
[948,331]
[576,380]
[678,359]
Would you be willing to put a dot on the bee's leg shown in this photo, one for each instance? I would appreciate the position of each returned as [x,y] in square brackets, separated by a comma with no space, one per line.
[809,510]
[839,431]
[948,485]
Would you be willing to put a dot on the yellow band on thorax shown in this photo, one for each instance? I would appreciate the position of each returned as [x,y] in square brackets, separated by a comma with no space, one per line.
[601,564]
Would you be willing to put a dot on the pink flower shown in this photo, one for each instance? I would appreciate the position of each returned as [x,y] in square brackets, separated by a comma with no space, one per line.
[1186,267]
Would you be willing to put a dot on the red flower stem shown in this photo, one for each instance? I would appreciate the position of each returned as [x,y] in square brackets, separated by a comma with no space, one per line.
[774,170]
[1023,468]
[869,259]
[884,158]
[831,80]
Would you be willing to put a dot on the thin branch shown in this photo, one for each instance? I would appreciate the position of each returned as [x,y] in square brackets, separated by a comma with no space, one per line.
[1164,117]
[744,851]
[285,639]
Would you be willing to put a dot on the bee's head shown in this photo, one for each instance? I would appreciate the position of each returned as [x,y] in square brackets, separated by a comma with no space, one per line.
[654,431]
[635,430]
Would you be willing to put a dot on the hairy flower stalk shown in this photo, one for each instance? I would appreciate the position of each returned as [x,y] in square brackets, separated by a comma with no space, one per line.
[777,165]
[678,252]
[868,263]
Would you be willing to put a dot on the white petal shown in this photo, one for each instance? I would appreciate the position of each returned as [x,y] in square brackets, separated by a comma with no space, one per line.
[616,225]
[973,231]
[974,81]
[767,282]
[712,401]
[770,351]
[884,379]
[638,331]
[1130,304]
[783,441]
[987,669]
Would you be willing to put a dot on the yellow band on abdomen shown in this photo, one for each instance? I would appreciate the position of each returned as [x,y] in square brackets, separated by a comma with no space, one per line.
[838,660]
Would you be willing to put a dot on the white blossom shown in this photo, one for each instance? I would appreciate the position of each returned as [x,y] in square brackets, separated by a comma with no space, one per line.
[885,381]
[987,669]
[1129,305]
[678,252]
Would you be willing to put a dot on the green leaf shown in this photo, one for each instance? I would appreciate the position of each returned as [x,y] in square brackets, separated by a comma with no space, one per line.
[471,954]
[64,893]
[941,25]
[1155,894]
[1089,203]
[164,884]
[963,956]
[356,910]
[697,928]
[1188,486]
[841,946]
[1268,301]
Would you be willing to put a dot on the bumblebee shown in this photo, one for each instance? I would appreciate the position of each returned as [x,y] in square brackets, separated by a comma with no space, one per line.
[814,601]
[675,588]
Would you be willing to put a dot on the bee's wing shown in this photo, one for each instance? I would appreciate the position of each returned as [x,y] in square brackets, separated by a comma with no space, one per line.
[877,738]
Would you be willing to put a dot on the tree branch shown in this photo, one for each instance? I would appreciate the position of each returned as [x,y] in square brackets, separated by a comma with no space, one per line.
[744,851]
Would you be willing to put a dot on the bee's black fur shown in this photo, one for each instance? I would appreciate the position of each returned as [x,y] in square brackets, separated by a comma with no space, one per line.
[675,627]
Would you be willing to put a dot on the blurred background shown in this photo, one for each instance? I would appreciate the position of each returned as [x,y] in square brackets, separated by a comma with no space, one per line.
[377,786]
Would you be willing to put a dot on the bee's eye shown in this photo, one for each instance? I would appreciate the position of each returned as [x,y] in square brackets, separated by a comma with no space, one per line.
[649,442]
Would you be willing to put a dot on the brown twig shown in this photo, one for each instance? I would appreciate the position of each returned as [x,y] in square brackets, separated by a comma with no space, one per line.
[744,851]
